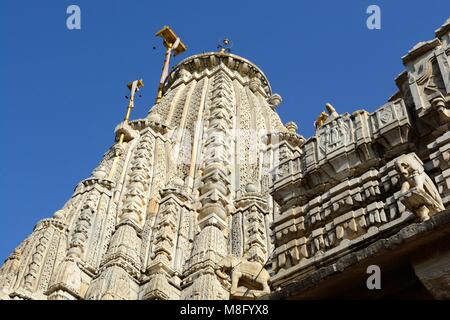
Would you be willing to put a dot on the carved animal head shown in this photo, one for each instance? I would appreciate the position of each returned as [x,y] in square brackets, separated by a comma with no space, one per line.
[228,262]
[407,165]
[403,168]
[225,266]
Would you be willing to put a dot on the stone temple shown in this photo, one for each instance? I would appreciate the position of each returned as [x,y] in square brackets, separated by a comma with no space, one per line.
[211,196]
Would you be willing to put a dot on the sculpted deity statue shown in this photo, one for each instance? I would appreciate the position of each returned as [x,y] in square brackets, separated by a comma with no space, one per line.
[419,192]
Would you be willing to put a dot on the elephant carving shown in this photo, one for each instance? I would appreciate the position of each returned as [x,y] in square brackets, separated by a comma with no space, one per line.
[418,192]
[249,273]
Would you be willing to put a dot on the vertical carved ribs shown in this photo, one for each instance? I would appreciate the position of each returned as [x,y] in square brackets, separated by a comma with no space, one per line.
[80,235]
[215,187]
[135,199]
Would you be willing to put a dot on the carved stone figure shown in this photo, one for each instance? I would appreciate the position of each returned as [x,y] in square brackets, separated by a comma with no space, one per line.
[325,117]
[250,273]
[420,193]
[320,120]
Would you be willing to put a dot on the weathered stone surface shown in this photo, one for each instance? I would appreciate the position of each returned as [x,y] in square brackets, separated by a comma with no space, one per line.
[185,189]
[404,241]
[212,179]
[366,174]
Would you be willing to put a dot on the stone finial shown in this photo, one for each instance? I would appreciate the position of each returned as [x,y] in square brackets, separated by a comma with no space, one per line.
[292,127]
[254,84]
[275,100]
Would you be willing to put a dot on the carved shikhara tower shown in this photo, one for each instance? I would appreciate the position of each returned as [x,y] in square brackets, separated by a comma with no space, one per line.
[210,195]
[190,187]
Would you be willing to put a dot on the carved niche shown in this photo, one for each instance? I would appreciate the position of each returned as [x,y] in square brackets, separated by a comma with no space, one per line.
[334,135]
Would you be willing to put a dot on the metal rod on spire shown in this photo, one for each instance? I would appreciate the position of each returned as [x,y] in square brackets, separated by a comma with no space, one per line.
[173,45]
[134,87]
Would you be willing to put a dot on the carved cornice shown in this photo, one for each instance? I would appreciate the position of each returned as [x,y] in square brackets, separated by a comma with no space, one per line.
[419,49]
[159,127]
[445,28]
[179,194]
[57,223]
[251,199]
[201,63]
[102,185]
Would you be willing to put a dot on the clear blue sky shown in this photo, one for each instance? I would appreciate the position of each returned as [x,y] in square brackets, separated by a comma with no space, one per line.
[62,92]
